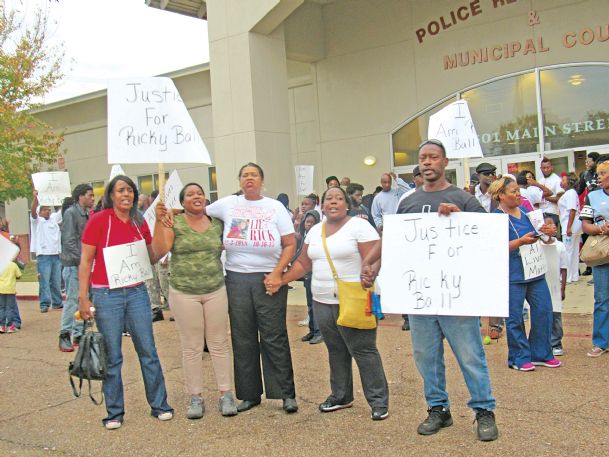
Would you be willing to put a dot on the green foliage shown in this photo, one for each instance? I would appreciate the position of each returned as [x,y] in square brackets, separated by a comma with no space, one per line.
[29,68]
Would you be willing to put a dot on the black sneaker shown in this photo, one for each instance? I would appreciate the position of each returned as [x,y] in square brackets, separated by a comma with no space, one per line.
[487,429]
[333,405]
[406,325]
[65,345]
[308,337]
[379,414]
[157,315]
[438,417]
[76,340]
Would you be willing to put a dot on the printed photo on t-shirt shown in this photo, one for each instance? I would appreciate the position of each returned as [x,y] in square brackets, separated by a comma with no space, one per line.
[239,229]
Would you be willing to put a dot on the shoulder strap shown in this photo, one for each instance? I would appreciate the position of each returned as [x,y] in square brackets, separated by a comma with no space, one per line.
[323,241]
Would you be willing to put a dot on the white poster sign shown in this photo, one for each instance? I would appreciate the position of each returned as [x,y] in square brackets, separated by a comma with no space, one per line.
[454,127]
[533,260]
[127,264]
[553,275]
[432,264]
[8,251]
[115,171]
[173,186]
[149,123]
[304,179]
[52,187]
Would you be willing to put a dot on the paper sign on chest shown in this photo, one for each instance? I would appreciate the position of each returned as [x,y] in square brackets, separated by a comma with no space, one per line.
[52,187]
[533,260]
[8,251]
[149,123]
[127,264]
[456,266]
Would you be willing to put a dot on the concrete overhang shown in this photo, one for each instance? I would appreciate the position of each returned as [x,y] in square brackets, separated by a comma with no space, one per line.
[193,8]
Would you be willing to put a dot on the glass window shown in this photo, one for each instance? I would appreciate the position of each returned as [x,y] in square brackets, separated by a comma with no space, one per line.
[406,140]
[213,184]
[145,184]
[575,103]
[98,189]
[505,115]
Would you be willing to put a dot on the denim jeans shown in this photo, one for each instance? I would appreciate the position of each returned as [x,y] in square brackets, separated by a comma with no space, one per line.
[557,332]
[6,309]
[68,323]
[537,347]
[313,326]
[600,326]
[130,307]
[15,308]
[49,284]
[463,335]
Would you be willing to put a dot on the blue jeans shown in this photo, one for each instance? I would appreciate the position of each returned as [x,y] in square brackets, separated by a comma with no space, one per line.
[49,284]
[313,326]
[130,307]
[463,335]
[68,323]
[537,347]
[600,326]
[6,309]
[15,308]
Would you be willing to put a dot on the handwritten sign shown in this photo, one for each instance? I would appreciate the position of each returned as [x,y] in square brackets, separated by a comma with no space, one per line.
[455,266]
[533,260]
[115,171]
[52,187]
[149,123]
[173,186]
[127,264]
[8,251]
[454,127]
[304,179]
[553,275]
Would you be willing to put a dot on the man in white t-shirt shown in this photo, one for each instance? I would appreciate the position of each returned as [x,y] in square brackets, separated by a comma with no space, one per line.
[551,180]
[47,246]
[486,175]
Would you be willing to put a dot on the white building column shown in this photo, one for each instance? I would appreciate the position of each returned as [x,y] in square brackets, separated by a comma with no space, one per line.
[249,91]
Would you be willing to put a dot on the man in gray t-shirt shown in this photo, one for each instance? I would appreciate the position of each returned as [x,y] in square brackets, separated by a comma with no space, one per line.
[428,331]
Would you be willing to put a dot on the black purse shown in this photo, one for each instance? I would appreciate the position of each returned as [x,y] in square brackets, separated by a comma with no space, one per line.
[90,362]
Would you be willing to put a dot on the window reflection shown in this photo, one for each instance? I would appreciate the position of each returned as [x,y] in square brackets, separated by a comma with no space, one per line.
[575,105]
[505,115]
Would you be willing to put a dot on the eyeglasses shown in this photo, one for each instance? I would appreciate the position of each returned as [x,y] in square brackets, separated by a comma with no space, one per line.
[488,173]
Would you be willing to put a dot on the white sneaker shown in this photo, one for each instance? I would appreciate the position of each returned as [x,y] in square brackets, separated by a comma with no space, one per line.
[557,351]
[304,322]
[166,416]
[113,425]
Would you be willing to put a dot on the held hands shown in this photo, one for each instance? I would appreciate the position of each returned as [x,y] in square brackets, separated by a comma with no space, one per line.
[367,276]
[164,215]
[272,282]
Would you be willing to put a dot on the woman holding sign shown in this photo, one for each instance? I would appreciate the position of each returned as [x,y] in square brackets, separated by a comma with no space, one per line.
[115,261]
[524,353]
[349,239]
[197,295]
[259,242]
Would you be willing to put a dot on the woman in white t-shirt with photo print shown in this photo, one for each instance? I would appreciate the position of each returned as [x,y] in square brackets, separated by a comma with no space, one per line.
[259,242]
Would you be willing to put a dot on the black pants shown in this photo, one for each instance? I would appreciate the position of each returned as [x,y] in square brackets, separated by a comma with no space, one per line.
[258,328]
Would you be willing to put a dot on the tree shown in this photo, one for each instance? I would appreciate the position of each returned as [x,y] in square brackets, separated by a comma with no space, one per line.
[29,68]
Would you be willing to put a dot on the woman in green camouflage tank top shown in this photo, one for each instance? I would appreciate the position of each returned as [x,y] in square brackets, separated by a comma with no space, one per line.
[197,295]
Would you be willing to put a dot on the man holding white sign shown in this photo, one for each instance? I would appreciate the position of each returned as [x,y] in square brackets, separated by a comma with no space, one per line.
[429,331]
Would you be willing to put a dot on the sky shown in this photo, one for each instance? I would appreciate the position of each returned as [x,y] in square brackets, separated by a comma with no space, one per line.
[105,39]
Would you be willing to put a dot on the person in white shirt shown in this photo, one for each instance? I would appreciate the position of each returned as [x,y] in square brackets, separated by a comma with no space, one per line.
[532,190]
[552,181]
[569,210]
[486,175]
[386,202]
[47,246]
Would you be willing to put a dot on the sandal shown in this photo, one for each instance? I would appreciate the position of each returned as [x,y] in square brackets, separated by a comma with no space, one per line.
[596,352]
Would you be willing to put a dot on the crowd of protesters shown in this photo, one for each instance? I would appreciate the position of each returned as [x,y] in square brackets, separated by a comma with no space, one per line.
[267,245]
